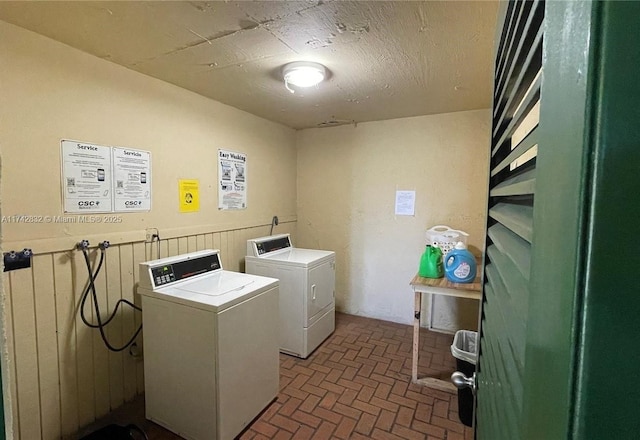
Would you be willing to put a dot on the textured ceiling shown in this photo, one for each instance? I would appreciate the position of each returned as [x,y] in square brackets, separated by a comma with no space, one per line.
[387,59]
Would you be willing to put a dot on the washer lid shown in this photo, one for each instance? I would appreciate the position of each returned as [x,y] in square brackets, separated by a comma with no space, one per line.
[221,284]
[301,257]
[217,291]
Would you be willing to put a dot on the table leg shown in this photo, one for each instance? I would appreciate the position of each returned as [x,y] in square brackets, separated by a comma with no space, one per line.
[430,382]
[416,336]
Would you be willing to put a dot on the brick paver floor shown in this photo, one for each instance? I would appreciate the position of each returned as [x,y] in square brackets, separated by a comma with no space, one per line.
[356,385]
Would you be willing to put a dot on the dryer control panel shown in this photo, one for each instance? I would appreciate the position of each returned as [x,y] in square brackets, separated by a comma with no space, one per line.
[261,246]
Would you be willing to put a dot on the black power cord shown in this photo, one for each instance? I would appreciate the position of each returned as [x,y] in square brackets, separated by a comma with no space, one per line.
[91,288]
[156,237]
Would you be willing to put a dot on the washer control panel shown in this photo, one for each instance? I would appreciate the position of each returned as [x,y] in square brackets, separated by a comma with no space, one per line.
[164,274]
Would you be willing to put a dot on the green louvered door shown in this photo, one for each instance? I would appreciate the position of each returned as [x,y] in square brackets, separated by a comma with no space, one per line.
[560,321]
[510,222]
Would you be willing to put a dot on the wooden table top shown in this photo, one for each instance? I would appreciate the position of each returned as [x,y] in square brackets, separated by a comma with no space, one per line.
[444,283]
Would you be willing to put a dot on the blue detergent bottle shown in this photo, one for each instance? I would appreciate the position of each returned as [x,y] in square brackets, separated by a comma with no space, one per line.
[460,265]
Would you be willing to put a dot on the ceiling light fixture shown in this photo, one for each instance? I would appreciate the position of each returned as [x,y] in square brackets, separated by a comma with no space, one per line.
[303,74]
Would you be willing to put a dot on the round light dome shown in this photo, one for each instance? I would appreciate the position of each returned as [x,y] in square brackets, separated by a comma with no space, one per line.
[303,74]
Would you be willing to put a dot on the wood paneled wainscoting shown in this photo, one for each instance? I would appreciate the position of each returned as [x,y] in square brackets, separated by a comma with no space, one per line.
[59,376]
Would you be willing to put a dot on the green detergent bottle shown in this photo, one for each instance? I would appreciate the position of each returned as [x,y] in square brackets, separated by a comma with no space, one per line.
[431,263]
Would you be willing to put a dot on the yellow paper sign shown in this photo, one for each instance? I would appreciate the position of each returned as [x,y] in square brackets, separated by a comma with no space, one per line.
[189,195]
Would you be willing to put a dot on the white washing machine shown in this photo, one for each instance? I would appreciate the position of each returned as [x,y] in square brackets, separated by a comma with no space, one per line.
[210,345]
[307,290]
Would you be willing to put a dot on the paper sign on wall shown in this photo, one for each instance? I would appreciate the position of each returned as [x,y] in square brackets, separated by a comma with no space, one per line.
[97,178]
[189,191]
[132,179]
[405,202]
[232,178]
[86,177]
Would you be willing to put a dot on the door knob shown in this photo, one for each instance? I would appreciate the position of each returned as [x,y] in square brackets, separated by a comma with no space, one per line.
[461,381]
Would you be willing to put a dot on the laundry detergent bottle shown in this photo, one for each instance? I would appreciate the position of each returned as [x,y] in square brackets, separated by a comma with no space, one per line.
[431,263]
[460,265]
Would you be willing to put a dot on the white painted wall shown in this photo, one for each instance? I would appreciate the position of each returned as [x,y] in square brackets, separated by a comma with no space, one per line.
[347,179]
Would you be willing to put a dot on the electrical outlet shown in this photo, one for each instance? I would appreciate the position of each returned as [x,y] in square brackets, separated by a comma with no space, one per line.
[151,232]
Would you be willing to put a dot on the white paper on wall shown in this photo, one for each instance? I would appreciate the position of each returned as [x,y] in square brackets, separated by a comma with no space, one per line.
[86,177]
[232,180]
[131,179]
[405,203]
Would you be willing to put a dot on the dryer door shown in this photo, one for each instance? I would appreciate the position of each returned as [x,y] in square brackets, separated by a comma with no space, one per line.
[320,289]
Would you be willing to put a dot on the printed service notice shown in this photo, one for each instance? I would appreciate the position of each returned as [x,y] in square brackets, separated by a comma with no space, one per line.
[97,178]
[86,177]
[132,179]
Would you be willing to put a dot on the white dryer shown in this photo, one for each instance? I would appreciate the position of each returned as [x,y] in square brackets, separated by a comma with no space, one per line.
[210,345]
[307,290]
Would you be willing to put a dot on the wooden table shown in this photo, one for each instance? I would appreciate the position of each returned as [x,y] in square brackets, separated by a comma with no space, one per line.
[438,286]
